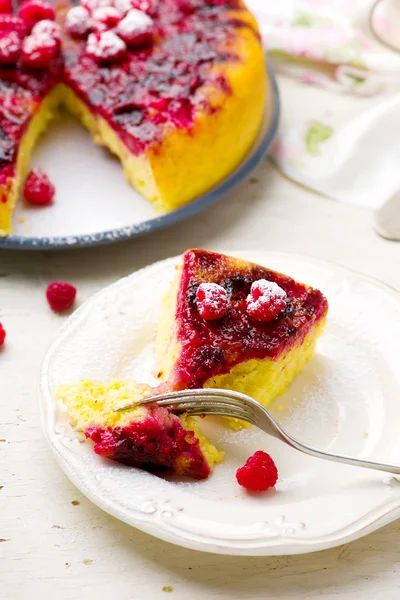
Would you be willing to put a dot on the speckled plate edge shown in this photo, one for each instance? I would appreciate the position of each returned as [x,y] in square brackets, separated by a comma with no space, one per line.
[155,516]
[163,221]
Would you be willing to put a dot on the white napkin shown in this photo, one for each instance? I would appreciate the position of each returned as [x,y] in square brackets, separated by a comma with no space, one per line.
[354,161]
[329,42]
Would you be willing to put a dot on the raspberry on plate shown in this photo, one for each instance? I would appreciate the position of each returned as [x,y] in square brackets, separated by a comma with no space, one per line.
[259,473]
[91,5]
[13,23]
[78,22]
[60,295]
[10,47]
[136,29]
[146,6]
[212,301]
[2,335]
[105,47]
[38,189]
[266,300]
[33,11]
[6,6]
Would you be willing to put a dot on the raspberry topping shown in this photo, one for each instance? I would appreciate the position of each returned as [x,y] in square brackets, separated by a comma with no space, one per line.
[91,5]
[39,50]
[146,6]
[259,472]
[2,335]
[60,295]
[38,189]
[266,300]
[212,301]
[13,23]
[6,6]
[78,22]
[33,11]
[10,47]
[48,28]
[105,18]
[136,28]
[105,47]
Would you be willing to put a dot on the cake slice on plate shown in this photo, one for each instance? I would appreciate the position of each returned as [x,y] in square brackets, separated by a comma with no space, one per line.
[148,437]
[229,323]
[225,323]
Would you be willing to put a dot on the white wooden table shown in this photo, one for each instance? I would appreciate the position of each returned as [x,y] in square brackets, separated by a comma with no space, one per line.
[51,547]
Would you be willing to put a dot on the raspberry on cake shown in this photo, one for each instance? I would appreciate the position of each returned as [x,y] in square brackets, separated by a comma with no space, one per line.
[264,337]
[149,437]
[159,83]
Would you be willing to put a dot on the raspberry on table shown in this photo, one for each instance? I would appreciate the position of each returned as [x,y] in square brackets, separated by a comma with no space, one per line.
[266,300]
[259,473]
[13,23]
[33,11]
[136,29]
[78,22]
[105,47]
[2,335]
[39,50]
[10,47]
[6,6]
[38,189]
[60,295]
[212,301]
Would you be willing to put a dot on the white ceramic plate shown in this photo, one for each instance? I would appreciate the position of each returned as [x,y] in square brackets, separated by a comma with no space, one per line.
[346,400]
[94,204]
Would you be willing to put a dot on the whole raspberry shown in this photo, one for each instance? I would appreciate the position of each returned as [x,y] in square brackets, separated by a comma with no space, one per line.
[47,28]
[78,22]
[105,18]
[136,29]
[60,295]
[266,300]
[2,335]
[105,47]
[146,6]
[259,472]
[10,47]
[13,23]
[33,11]
[6,6]
[39,50]
[38,189]
[212,301]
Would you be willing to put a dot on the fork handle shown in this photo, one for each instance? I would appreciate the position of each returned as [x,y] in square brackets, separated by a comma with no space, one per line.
[340,458]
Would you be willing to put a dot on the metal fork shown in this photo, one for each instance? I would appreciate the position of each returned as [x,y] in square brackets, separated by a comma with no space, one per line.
[227,403]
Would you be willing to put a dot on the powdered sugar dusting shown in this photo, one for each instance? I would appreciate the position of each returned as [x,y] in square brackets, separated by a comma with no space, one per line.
[105,46]
[135,21]
[78,21]
[212,301]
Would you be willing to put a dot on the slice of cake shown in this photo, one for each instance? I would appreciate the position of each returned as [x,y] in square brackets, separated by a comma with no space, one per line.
[149,437]
[176,90]
[229,323]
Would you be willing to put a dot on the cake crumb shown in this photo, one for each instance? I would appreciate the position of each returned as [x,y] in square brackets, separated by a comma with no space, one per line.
[87,561]
[21,219]
[75,502]
[365,434]
[278,408]
[4,540]
[3,440]
[167,588]
[1,487]
[57,527]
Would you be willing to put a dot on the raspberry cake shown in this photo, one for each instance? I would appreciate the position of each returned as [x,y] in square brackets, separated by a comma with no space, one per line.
[229,323]
[174,88]
[225,323]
